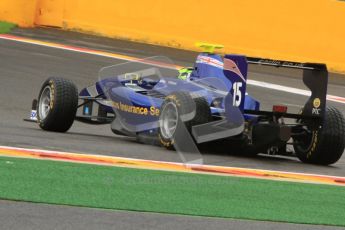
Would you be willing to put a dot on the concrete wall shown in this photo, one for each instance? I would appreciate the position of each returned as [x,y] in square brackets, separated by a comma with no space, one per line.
[299,30]
[21,12]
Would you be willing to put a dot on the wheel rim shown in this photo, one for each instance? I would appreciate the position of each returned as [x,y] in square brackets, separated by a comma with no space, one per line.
[168,121]
[44,103]
[305,142]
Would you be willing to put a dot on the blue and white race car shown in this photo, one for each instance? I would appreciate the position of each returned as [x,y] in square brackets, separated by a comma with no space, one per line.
[151,100]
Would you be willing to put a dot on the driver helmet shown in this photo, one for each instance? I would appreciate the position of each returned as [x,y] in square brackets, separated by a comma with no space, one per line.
[185,73]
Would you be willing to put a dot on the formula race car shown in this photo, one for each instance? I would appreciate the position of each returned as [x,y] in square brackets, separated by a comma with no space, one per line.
[151,100]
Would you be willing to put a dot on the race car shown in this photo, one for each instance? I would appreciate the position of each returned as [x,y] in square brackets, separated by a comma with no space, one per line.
[200,105]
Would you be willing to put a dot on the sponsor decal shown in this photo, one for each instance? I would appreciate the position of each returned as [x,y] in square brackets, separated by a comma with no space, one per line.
[152,111]
[313,146]
[280,63]
[316,111]
[52,93]
[33,115]
[316,103]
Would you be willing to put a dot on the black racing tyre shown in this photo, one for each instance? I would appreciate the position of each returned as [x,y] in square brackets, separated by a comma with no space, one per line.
[57,104]
[325,145]
[181,107]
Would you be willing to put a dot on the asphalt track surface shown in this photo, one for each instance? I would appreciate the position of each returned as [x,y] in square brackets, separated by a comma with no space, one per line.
[23,68]
[31,216]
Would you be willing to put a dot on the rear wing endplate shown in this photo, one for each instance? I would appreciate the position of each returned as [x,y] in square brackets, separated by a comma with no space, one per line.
[315,77]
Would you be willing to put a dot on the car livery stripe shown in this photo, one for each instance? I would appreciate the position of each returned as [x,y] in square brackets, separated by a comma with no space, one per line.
[170,166]
[267,85]
[227,65]
[230,65]
[209,61]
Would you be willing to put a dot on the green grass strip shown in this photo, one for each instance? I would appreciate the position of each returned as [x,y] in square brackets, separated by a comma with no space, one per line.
[6,27]
[170,192]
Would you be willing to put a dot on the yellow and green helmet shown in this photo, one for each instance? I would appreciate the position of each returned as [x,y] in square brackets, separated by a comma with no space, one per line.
[185,73]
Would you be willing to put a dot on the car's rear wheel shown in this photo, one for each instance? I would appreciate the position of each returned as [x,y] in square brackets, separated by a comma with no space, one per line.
[325,145]
[57,104]
[179,112]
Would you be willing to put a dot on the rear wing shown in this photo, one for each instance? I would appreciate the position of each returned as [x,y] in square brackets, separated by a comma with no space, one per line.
[315,77]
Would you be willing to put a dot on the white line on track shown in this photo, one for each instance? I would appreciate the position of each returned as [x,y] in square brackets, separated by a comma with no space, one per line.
[129,58]
[292,90]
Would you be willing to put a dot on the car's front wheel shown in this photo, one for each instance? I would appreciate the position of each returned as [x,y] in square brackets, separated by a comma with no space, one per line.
[57,104]
[179,112]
